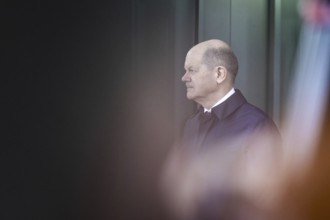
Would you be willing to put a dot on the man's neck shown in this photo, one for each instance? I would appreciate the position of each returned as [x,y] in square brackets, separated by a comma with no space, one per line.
[220,100]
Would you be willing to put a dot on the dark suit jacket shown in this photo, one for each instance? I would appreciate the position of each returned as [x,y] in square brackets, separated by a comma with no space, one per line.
[233,118]
[239,147]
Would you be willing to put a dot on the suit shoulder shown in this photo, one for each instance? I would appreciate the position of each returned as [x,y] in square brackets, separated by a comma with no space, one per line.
[254,116]
[249,110]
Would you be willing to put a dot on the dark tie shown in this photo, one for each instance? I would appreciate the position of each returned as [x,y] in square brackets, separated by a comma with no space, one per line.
[205,121]
[205,117]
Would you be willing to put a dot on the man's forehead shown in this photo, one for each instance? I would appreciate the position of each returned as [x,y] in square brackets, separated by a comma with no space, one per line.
[190,60]
[187,64]
[193,57]
[194,54]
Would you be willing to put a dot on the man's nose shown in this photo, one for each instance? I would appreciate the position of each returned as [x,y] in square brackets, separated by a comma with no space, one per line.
[185,77]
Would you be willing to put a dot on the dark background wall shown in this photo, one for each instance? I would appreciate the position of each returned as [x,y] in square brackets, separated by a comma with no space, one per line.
[89,97]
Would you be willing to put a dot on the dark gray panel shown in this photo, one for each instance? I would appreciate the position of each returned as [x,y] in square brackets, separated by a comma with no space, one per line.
[214,20]
[184,39]
[249,41]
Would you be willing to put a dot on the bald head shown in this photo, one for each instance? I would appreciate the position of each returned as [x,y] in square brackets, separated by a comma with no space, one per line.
[218,53]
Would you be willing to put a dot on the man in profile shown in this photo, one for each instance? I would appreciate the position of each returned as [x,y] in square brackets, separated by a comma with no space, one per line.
[222,164]
[211,68]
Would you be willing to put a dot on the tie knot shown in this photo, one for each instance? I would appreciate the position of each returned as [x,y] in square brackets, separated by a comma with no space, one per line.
[205,117]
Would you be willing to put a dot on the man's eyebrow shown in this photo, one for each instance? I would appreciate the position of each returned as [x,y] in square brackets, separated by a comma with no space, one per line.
[189,67]
[193,68]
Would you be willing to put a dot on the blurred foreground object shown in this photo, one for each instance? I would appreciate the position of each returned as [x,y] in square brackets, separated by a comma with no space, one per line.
[232,181]
[307,197]
[315,12]
[309,90]
[306,194]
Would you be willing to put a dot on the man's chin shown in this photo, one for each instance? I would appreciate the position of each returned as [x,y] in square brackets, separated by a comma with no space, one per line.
[190,97]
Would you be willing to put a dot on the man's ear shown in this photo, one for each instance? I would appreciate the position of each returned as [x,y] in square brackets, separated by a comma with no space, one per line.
[221,74]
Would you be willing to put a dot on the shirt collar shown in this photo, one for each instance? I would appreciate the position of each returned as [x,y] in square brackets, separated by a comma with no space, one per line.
[230,93]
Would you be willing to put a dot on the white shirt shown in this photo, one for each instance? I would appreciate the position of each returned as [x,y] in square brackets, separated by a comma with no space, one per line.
[230,93]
